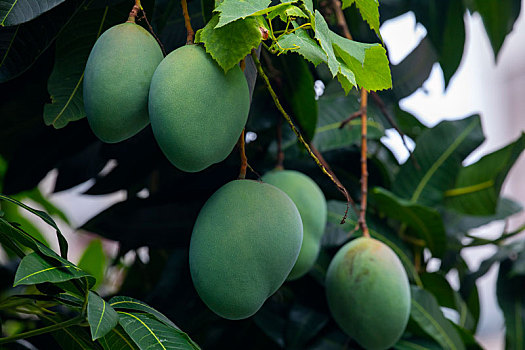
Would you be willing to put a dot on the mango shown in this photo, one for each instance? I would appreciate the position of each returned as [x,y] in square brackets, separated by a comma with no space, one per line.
[244,244]
[197,111]
[116,81]
[368,293]
[311,203]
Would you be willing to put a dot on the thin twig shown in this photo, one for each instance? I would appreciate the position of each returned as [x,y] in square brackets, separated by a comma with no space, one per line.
[150,28]
[341,188]
[189,30]
[353,116]
[364,170]
[242,151]
[341,21]
[134,12]
[379,102]
[280,153]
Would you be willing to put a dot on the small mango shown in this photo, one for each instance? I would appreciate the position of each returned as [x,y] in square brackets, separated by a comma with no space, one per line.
[368,293]
[311,203]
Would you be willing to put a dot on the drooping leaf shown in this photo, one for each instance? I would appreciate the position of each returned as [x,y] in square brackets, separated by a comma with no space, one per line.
[498,18]
[47,219]
[122,302]
[478,185]
[71,338]
[426,222]
[459,224]
[13,12]
[13,214]
[509,291]
[229,44]
[149,333]
[426,313]
[101,317]
[439,153]
[34,269]
[117,338]
[410,74]
[232,10]
[369,11]
[298,91]
[72,50]
[93,261]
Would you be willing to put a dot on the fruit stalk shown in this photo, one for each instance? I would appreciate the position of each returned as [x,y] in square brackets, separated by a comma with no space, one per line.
[242,151]
[263,75]
[134,12]
[190,33]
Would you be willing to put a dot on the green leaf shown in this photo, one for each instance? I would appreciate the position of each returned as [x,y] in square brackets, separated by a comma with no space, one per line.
[93,261]
[410,74]
[354,63]
[301,43]
[37,196]
[439,153]
[425,312]
[232,10]
[72,51]
[47,219]
[73,338]
[333,109]
[229,44]
[149,333]
[117,338]
[416,344]
[461,224]
[511,300]
[478,185]
[499,18]
[12,213]
[13,12]
[34,269]
[369,11]
[426,222]
[298,91]
[121,302]
[100,315]
[304,324]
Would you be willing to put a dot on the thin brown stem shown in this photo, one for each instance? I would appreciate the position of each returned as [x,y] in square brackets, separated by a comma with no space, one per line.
[242,151]
[263,75]
[353,116]
[341,21]
[150,28]
[364,170]
[189,30]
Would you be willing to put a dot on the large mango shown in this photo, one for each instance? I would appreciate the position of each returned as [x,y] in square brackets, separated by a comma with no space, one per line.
[116,81]
[244,244]
[197,112]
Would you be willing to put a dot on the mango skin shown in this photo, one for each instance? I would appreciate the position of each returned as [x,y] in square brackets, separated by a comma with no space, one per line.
[116,81]
[311,203]
[244,243]
[368,293]
[197,112]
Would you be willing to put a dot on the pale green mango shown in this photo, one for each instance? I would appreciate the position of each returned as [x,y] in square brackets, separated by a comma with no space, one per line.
[197,112]
[244,244]
[368,293]
[116,81]
[311,203]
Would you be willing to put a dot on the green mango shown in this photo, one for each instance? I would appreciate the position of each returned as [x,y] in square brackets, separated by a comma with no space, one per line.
[244,244]
[197,111]
[368,293]
[310,201]
[116,81]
